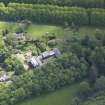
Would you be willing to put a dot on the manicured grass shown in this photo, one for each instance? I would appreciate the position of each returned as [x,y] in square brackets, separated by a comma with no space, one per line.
[36,30]
[39,30]
[62,96]
[8,25]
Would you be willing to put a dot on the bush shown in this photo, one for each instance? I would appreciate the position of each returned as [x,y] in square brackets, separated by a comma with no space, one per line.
[84,89]
[100,84]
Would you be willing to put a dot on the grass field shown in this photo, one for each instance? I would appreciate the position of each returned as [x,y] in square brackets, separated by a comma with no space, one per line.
[36,30]
[8,25]
[39,30]
[60,97]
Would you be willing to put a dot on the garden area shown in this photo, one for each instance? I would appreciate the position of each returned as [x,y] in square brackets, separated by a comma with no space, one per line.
[33,29]
[38,30]
[52,52]
[87,36]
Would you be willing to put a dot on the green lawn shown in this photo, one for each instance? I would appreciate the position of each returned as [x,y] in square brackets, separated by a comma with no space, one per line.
[36,30]
[39,30]
[8,25]
[60,97]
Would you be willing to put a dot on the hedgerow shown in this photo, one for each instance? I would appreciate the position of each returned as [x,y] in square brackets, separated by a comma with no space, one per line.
[49,14]
[80,3]
[44,14]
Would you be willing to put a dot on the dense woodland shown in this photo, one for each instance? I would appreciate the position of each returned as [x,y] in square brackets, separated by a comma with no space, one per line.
[83,58]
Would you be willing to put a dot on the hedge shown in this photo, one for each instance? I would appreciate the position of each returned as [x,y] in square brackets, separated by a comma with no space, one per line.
[44,14]
[49,14]
[80,3]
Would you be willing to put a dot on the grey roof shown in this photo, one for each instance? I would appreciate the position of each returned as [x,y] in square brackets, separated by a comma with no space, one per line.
[38,60]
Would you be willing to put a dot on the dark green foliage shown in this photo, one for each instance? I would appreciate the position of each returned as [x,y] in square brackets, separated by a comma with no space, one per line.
[4,53]
[100,84]
[93,74]
[47,78]
[80,58]
[80,3]
[84,89]
[44,14]
[57,15]
[99,99]
[97,17]
[51,14]
[76,101]
[98,95]
[75,64]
